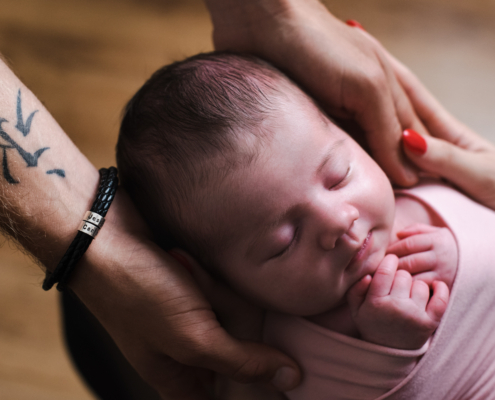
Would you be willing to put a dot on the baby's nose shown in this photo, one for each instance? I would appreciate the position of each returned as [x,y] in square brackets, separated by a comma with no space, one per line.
[336,224]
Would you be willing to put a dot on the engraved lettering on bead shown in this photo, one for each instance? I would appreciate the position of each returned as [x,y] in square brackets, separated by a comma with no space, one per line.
[88,228]
[94,218]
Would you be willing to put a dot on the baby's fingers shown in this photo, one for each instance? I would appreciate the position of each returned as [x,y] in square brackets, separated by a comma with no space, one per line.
[410,245]
[438,302]
[419,262]
[384,277]
[401,288]
[420,294]
[357,293]
[416,229]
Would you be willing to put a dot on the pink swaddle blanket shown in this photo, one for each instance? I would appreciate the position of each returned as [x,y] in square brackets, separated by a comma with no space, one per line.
[459,360]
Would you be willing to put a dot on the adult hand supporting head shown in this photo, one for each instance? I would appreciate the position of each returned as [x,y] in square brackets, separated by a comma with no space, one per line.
[159,318]
[453,151]
[344,68]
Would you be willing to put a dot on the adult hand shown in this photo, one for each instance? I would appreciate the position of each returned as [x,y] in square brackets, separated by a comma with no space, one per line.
[146,301]
[453,151]
[240,318]
[343,67]
[160,319]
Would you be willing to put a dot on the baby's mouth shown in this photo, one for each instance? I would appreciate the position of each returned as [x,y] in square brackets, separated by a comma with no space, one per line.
[361,253]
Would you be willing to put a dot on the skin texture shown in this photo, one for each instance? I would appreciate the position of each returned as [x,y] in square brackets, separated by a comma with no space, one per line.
[313,217]
[310,221]
[305,208]
[343,67]
[42,211]
[454,151]
[148,303]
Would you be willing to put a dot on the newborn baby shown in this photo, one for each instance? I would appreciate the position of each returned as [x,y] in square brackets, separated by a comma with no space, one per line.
[228,159]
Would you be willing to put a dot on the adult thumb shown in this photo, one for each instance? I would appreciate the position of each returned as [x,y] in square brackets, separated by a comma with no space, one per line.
[247,362]
[466,169]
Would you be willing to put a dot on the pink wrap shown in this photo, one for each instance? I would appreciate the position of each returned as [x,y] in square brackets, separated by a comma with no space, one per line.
[459,360]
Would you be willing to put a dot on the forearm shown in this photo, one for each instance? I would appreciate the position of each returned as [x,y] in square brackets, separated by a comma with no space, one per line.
[46,183]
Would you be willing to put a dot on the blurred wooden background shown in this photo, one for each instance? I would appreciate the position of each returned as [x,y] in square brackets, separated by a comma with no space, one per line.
[85,58]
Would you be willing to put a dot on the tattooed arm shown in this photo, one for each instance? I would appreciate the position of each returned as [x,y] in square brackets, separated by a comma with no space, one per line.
[148,304]
[45,181]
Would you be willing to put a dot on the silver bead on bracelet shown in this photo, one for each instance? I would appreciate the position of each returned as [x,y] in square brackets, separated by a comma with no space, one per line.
[91,223]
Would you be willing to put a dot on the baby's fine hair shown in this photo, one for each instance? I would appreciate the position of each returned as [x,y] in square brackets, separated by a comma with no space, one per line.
[180,134]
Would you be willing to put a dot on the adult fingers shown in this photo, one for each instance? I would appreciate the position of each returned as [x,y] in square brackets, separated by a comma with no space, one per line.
[472,171]
[239,317]
[175,381]
[247,362]
[439,122]
[384,277]
[383,110]
[217,350]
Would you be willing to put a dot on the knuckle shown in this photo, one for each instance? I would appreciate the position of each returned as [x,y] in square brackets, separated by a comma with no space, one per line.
[247,371]
[377,303]
[195,351]
[379,86]
[403,274]
[406,264]
[193,357]
[409,244]
[376,82]
[445,158]
[421,285]
[384,271]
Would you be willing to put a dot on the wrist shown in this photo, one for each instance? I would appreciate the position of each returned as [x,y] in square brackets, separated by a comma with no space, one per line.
[107,258]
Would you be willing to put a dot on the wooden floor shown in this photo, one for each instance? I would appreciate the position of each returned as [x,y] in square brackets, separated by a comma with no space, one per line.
[85,58]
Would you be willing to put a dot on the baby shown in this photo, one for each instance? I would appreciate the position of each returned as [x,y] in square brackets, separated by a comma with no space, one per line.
[228,159]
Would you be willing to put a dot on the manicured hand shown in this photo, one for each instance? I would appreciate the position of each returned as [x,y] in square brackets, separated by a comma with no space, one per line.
[427,252]
[453,151]
[391,309]
[343,67]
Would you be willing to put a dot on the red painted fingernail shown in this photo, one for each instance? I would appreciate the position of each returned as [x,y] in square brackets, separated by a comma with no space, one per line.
[414,141]
[355,24]
[182,260]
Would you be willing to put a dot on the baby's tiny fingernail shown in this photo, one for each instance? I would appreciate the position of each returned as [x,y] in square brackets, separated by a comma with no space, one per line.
[355,24]
[285,379]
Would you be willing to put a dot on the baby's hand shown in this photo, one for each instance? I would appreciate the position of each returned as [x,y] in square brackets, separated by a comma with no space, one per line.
[393,310]
[428,253]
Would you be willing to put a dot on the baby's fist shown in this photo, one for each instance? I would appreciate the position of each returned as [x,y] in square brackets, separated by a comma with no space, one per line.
[427,252]
[393,310]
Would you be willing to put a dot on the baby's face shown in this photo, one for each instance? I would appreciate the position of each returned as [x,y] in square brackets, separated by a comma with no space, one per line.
[308,218]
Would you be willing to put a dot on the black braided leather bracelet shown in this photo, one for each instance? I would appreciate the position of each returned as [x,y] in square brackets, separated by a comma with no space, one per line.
[88,229]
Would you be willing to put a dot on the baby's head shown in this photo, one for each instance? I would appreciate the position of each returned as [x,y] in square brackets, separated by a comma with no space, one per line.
[228,156]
